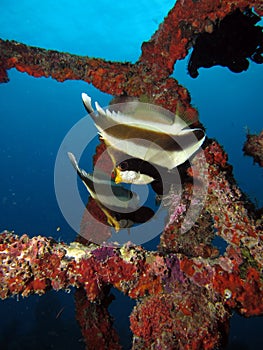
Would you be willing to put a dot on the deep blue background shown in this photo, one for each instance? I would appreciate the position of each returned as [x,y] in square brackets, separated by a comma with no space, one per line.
[36,114]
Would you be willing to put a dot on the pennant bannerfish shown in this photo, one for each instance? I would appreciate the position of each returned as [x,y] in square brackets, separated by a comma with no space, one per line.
[110,197]
[147,132]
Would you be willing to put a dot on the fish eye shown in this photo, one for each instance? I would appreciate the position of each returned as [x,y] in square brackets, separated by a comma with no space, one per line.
[123,165]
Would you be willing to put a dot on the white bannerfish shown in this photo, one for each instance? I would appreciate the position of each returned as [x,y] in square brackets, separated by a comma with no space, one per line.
[147,132]
[109,196]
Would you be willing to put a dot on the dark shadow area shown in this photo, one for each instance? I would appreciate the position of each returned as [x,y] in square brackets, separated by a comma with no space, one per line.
[233,40]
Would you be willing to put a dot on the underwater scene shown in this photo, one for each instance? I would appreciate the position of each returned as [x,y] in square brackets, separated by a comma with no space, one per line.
[131,174]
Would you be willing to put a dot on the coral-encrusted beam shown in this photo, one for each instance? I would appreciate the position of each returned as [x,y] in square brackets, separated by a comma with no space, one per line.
[61,66]
[34,265]
[177,291]
[226,208]
[95,322]
[235,220]
[114,78]
[37,264]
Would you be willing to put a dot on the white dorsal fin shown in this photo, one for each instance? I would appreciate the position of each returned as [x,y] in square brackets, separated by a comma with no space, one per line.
[87,102]
[99,109]
[82,173]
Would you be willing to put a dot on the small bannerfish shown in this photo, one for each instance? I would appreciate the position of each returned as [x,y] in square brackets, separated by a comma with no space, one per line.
[110,197]
[147,132]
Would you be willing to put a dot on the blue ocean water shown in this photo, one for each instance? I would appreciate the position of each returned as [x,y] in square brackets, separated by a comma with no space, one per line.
[36,114]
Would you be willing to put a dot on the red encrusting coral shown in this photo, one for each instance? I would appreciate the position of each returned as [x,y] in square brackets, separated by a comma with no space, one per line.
[96,323]
[169,321]
[38,264]
[254,147]
[186,289]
